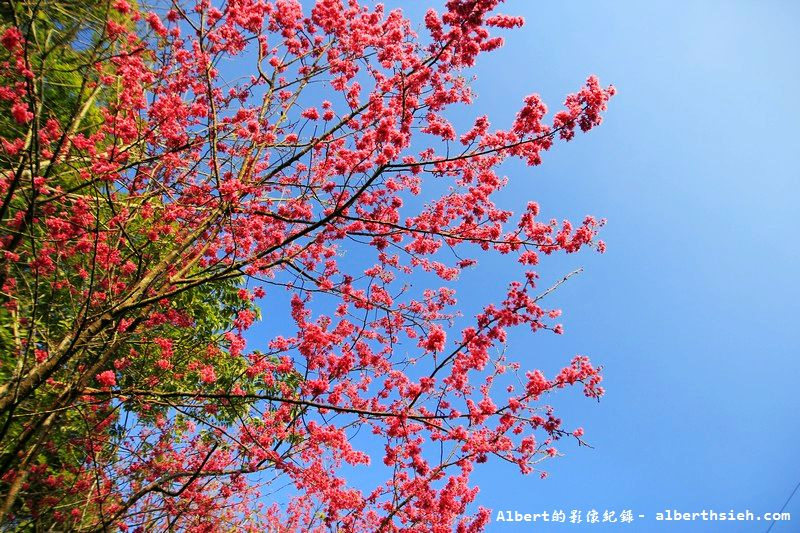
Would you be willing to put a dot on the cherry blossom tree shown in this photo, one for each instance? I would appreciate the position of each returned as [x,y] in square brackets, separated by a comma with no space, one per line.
[170,172]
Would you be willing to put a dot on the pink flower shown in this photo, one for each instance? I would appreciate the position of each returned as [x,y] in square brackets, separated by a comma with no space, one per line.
[11,38]
[156,24]
[107,378]
[20,113]
[435,340]
[311,113]
[207,374]
[122,6]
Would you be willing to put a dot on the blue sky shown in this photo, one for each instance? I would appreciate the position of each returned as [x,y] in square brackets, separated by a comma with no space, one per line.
[693,309]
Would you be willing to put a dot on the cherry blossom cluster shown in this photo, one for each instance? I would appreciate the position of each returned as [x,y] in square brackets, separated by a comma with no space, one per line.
[299,190]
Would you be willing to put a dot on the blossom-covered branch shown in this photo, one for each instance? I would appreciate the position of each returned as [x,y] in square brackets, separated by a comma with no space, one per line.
[170,175]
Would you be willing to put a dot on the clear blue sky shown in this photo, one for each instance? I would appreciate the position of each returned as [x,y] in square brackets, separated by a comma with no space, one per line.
[693,309]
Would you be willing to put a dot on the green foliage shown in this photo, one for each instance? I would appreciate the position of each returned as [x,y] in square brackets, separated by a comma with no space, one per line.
[65,41]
